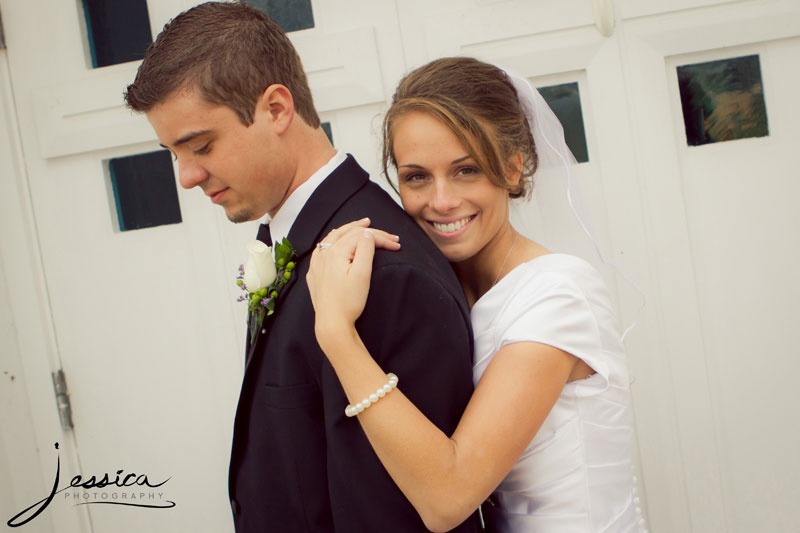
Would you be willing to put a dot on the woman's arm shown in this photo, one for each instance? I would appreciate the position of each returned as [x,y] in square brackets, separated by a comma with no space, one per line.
[445,478]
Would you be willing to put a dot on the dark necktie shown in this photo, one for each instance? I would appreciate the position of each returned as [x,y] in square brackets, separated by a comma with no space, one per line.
[264,235]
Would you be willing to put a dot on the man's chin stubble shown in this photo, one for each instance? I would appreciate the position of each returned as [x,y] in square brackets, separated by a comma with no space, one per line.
[241,216]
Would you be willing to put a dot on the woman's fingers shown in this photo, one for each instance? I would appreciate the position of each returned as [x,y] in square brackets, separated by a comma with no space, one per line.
[346,244]
[387,241]
[362,259]
[352,230]
[336,233]
[346,237]
[339,276]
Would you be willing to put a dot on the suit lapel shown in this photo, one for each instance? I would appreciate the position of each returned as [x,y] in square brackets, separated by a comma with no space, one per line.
[334,191]
[347,179]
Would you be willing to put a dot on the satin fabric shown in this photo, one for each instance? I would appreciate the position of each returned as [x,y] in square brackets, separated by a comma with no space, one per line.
[576,474]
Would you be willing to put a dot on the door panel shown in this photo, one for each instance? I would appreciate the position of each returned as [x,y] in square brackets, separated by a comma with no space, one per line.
[742,216]
[718,219]
[27,454]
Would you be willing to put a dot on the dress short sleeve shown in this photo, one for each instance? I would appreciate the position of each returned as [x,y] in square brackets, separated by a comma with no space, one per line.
[575,475]
[556,308]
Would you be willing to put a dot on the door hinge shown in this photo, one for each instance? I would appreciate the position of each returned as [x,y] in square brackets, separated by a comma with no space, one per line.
[62,399]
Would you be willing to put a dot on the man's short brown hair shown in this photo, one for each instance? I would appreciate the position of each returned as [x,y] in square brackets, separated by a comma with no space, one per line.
[230,52]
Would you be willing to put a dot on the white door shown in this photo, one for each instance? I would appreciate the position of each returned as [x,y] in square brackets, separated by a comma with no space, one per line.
[26,342]
[722,222]
[141,320]
[144,323]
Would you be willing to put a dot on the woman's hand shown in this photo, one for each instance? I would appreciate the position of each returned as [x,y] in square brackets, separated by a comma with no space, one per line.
[339,275]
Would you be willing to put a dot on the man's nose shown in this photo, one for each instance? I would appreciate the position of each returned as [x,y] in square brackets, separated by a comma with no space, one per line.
[190,174]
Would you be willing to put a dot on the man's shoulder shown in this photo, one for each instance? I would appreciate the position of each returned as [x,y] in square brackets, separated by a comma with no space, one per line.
[418,254]
[417,258]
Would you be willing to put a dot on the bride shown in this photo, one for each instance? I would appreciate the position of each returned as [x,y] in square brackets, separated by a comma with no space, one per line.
[546,436]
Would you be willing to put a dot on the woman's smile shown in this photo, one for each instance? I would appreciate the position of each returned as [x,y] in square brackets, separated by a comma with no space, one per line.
[453,229]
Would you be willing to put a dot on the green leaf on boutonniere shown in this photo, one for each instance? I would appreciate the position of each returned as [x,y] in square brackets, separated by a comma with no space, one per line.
[283,252]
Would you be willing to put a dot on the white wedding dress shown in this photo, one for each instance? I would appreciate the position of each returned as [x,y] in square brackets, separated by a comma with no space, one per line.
[576,475]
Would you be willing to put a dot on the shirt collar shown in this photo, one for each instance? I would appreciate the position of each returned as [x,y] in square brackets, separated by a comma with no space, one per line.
[282,222]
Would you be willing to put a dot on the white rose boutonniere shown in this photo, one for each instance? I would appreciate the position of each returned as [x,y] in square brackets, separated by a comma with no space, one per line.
[262,279]
[260,269]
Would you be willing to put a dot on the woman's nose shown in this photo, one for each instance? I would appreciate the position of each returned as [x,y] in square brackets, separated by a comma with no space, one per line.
[444,196]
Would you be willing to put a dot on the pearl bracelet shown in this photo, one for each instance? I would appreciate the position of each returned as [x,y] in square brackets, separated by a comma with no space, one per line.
[354,409]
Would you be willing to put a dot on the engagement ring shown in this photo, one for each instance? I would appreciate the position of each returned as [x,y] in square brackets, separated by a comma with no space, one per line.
[321,246]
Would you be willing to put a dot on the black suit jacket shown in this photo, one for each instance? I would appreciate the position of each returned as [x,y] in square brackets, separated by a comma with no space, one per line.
[298,463]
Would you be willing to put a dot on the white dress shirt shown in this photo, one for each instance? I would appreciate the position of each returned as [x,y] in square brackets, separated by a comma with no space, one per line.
[282,222]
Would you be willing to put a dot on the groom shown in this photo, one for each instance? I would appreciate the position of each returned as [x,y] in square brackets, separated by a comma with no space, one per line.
[226,93]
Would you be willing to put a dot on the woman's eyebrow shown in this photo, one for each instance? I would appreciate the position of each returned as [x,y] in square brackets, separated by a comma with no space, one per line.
[453,162]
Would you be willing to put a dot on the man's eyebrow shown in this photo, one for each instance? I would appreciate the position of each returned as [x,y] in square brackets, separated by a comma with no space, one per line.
[186,138]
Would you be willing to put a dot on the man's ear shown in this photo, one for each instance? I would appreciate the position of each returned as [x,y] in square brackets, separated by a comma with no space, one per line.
[514,172]
[277,104]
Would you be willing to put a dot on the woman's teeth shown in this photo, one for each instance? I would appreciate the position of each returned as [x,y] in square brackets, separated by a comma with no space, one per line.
[453,226]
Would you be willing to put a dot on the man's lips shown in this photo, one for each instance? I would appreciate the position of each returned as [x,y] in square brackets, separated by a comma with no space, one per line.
[216,197]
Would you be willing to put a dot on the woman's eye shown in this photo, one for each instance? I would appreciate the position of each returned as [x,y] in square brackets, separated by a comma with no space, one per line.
[468,171]
[413,178]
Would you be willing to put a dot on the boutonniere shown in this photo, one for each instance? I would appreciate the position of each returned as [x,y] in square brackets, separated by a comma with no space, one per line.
[262,279]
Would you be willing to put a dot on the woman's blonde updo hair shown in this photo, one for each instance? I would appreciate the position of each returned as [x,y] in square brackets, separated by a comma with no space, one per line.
[478,103]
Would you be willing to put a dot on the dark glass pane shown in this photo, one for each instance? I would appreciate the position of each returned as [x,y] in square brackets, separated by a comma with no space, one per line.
[565,101]
[145,190]
[723,100]
[118,30]
[291,15]
[326,127]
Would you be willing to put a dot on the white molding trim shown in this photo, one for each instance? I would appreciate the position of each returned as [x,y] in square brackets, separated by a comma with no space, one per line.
[343,68]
